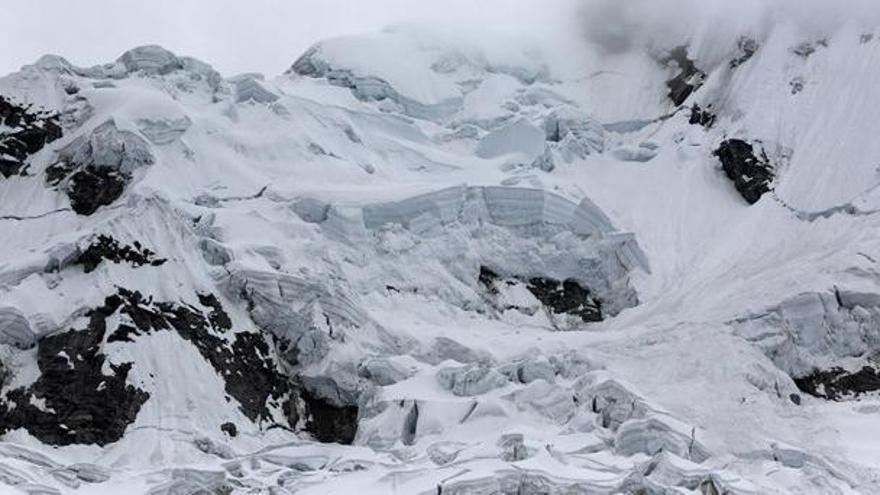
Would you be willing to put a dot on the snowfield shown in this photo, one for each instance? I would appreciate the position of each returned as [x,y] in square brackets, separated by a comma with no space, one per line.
[424,263]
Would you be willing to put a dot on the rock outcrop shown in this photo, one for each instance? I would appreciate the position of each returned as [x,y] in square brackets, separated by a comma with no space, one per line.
[23,132]
[749,169]
[688,79]
[840,384]
[75,400]
[107,248]
[94,170]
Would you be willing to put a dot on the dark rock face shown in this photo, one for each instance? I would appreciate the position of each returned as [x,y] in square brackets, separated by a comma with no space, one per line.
[78,403]
[330,423]
[94,187]
[244,361]
[230,429]
[487,277]
[57,172]
[838,384]
[88,187]
[561,297]
[108,248]
[752,175]
[94,169]
[689,77]
[217,317]
[82,404]
[702,116]
[566,297]
[30,131]
[4,375]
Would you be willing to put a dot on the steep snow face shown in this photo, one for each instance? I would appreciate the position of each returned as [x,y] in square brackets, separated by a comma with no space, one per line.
[419,262]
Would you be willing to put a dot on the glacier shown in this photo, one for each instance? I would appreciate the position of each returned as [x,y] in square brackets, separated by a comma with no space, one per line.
[427,263]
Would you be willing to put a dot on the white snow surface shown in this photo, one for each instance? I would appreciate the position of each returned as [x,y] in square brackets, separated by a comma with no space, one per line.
[377,212]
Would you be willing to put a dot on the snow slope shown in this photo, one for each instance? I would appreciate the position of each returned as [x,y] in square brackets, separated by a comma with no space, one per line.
[419,262]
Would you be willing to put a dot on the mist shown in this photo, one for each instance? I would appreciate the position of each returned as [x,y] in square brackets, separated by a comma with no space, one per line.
[255,36]
[619,25]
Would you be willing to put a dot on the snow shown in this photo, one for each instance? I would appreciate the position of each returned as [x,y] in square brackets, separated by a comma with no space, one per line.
[401,63]
[519,138]
[349,210]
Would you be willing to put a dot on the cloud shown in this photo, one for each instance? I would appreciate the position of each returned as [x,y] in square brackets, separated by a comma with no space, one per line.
[267,35]
[617,25]
[235,36]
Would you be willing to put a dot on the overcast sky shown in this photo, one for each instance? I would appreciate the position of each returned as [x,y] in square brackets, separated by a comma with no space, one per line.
[235,35]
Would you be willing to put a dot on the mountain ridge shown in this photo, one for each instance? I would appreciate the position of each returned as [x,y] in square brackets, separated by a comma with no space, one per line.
[463,262]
